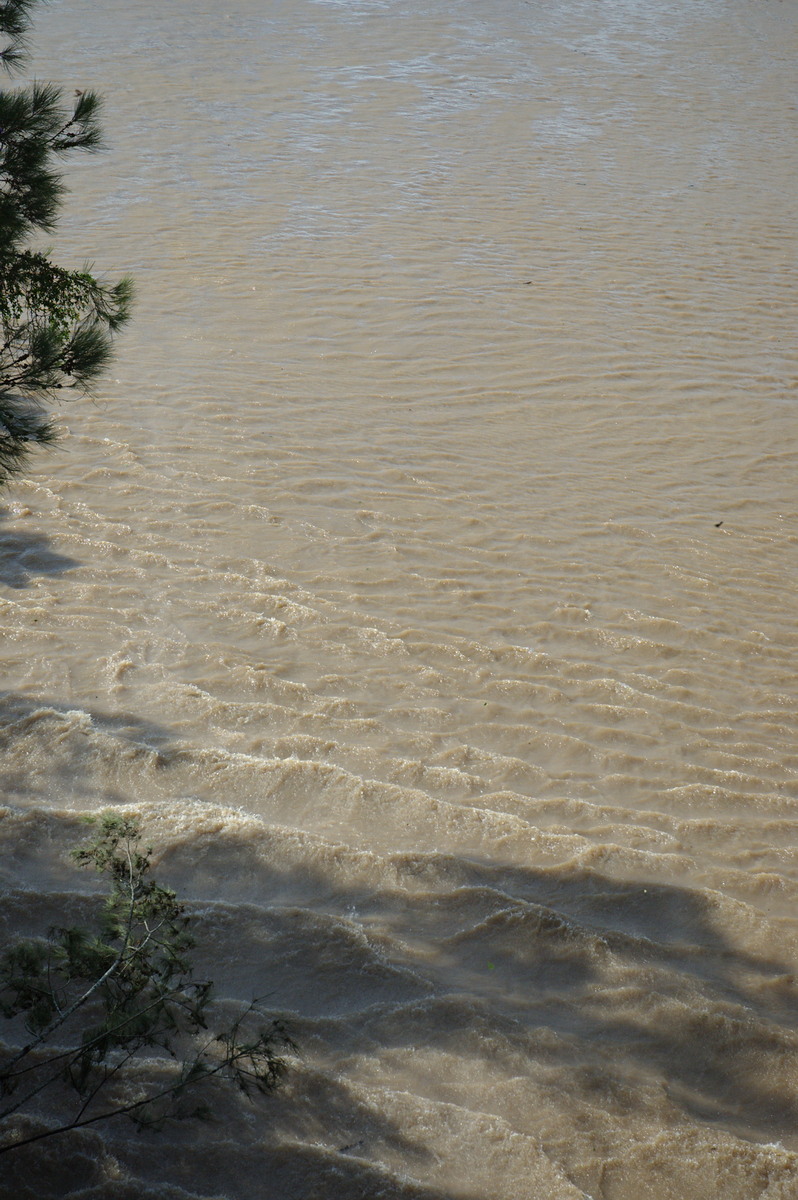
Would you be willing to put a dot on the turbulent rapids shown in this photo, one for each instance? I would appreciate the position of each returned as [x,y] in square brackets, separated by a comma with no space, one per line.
[424,579]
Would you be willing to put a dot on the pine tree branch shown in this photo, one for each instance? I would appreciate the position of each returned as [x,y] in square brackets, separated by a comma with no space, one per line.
[198,1068]
[146,999]
[108,1074]
[122,1110]
[81,1000]
[6,1074]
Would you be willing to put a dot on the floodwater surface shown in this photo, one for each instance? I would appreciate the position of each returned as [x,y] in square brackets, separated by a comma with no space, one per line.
[424,576]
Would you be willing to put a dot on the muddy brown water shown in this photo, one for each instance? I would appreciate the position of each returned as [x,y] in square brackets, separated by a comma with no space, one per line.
[424,575]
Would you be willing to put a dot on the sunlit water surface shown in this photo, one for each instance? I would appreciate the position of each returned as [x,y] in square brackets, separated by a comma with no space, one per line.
[424,576]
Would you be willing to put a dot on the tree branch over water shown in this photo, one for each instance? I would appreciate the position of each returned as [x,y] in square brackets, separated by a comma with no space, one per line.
[56,326]
[96,1004]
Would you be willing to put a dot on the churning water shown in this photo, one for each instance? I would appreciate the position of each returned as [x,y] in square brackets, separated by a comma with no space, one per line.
[424,575]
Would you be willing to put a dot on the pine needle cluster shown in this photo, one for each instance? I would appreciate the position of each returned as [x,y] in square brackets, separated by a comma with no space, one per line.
[56,326]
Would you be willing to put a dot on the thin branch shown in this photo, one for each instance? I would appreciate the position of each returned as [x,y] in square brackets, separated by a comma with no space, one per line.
[81,1000]
[108,1074]
[179,1085]
[9,1074]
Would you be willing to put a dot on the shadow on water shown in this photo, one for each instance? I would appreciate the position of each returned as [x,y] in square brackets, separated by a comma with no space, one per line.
[17,712]
[36,875]
[622,988]
[26,555]
[630,982]
[46,748]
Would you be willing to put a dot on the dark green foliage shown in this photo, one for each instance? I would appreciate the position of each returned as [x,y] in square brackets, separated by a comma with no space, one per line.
[56,326]
[93,1003]
[14,21]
